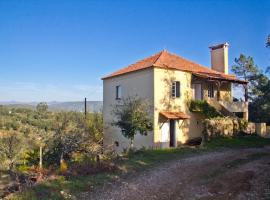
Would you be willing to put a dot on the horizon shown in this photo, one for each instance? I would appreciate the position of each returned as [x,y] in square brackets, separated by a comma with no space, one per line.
[36,102]
[59,50]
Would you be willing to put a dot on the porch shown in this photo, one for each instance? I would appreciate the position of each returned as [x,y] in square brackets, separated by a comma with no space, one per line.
[216,89]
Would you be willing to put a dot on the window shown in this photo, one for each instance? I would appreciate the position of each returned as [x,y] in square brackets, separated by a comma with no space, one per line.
[118,92]
[211,90]
[176,89]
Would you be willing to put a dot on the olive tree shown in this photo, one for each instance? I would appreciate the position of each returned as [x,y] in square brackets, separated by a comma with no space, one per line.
[12,147]
[132,117]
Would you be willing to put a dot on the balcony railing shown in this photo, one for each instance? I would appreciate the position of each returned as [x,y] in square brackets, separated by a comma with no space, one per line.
[235,106]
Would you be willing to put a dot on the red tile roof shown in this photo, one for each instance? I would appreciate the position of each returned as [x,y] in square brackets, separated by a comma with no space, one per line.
[174,115]
[167,60]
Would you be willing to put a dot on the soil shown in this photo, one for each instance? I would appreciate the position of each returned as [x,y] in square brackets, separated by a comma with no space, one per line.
[229,174]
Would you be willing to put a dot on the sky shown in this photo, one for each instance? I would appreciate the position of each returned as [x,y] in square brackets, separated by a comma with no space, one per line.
[58,50]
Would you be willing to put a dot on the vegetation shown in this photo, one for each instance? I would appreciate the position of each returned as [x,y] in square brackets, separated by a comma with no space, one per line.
[248,141]
[245,69]
[204,108]
[132,117]
[259,87]
[65,187]
[35,144]
[221,126]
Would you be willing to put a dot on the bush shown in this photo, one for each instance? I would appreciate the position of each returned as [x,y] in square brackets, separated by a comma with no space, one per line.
[223,126]
[201,106]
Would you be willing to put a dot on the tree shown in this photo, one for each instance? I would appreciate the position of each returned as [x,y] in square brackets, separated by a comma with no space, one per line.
[259,87]
[42,107]
[72,135]
[245,69]
[259,108]
[42,132]
[132,117]
[12,147]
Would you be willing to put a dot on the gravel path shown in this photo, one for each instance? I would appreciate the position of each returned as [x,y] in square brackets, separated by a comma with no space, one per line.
[231,174]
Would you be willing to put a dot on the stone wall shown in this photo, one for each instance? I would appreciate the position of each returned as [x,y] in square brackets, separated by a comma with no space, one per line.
[224,126]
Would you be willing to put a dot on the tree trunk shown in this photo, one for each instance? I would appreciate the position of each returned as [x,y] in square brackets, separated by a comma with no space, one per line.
[40,157]
[10,168]
[246,93]
[61,158]
[97,158]
[131,143]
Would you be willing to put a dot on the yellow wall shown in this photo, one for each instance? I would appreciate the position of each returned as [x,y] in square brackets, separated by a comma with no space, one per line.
[163,101]
[137,83]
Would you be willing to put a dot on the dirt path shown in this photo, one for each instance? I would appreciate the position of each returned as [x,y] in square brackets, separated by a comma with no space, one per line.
[231,174]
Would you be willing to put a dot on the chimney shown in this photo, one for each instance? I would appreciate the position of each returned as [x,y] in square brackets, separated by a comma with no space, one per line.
[219,57]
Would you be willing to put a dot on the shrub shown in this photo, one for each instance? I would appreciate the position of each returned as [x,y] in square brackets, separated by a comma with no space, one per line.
[223,126]
[201,106]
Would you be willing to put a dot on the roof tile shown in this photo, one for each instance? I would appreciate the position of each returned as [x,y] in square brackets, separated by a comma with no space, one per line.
[165,59]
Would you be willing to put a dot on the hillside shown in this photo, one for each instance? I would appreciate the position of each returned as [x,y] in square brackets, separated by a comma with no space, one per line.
[92,106]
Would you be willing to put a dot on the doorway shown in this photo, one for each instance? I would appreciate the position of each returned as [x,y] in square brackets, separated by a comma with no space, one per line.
[168,134]
[172,133]
[197,91]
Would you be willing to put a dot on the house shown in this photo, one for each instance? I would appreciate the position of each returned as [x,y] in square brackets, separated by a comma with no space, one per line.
[168,82]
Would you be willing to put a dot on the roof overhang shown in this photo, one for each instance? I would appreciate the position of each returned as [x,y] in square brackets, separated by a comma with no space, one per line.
[219,77]
[174,115]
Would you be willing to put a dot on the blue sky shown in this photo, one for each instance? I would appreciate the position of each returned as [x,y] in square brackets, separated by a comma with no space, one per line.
[59,49]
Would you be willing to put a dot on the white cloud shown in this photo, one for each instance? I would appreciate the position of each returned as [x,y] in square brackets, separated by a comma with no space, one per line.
[28,91]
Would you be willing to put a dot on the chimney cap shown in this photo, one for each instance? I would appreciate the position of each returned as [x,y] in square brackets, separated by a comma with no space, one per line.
[219,46]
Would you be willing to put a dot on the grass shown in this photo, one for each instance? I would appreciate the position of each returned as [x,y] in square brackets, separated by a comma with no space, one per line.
[144,159]
[63,187]
[251,141]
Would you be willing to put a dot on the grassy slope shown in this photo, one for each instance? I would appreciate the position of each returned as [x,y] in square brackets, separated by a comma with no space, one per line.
[140,160]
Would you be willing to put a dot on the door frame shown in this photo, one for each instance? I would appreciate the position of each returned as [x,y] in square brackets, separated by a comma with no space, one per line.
[196,91]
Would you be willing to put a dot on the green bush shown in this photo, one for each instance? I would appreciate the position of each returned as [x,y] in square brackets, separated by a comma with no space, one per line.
[201,106]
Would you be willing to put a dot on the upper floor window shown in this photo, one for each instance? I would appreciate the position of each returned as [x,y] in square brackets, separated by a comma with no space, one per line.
[118,92]
[176,89]
[211,90]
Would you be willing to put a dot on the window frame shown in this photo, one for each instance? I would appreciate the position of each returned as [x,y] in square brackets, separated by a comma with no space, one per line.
[176,89]
[211,90]
[118,94]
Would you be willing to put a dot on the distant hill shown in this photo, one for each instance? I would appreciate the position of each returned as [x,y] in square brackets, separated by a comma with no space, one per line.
[92,106]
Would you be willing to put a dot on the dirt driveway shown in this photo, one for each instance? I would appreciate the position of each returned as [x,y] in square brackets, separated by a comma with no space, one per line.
[230,174]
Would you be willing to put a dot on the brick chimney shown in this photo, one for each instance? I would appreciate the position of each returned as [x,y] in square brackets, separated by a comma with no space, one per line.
[219,57]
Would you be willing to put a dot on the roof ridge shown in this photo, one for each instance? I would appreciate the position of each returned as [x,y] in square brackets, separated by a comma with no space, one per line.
[195,63]
[166,59]
[160,54]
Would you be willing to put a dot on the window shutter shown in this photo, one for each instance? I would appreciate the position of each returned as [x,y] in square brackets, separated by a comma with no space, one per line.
[173,89]
[177,89]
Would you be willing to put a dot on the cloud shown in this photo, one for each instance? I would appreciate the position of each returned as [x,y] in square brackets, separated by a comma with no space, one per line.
[28,91]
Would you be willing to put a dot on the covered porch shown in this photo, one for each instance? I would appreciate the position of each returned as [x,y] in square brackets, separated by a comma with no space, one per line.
[216,89]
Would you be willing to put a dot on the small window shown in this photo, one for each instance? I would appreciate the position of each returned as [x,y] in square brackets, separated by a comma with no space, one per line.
[211,90]
[176,89]
[118,92]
